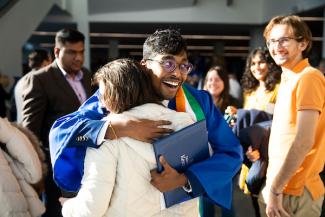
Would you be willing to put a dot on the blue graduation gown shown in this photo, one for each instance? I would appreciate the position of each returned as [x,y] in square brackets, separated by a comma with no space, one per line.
[72,134]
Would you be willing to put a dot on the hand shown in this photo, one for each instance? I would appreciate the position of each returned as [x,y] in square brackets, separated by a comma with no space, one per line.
[252,155]
[141,129]
[274,207]
[169,179]
[63,200]
[231,110]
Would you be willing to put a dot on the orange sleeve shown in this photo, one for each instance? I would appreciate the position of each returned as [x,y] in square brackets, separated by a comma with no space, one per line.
[310,92]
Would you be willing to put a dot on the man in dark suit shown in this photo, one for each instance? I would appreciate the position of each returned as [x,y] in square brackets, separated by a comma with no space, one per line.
[53,91]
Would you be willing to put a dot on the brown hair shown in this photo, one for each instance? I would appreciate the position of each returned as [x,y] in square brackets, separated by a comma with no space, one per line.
[300,29]
[127,84]
[224,98]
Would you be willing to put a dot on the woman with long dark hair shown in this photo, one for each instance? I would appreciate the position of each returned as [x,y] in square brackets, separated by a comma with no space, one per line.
[260,80]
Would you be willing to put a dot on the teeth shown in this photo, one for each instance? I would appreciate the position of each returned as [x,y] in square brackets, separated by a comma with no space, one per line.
[172,83]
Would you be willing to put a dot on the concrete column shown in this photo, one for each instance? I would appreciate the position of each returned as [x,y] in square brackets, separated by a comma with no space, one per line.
[79,12]
[257,39]
[113,51]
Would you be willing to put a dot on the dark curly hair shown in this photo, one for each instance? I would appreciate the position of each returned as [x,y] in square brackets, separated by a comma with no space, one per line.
[249,82]
[168,41]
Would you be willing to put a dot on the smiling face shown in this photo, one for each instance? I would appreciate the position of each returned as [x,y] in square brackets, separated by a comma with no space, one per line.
[287,54]
[214,84]
[258,67]
[167,83]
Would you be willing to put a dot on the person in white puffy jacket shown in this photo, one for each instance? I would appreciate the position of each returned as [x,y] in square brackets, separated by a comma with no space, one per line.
[116,179]
[20,167]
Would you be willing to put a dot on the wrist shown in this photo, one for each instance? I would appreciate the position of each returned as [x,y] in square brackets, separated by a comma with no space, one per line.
[111,132]
[275,192]
[186,185]
[183,180]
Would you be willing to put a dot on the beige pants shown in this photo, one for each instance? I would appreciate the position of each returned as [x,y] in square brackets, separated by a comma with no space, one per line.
[297,206]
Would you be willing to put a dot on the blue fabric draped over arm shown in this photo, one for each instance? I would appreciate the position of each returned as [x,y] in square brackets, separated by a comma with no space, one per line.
[69,138]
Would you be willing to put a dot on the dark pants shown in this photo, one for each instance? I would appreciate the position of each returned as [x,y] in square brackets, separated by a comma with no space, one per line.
[51,195]
[255,206]
[207,209]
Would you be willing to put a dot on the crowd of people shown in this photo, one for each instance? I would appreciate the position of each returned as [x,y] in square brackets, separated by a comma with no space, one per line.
[87,152]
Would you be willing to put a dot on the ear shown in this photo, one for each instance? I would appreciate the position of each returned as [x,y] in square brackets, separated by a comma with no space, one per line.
[303,45]
[143,62]
[56,52]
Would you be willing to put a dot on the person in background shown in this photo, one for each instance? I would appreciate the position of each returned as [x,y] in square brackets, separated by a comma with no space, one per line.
[297,141]
[20,169]
[52,92]
[37,59]
[260,81]
[217,84]
[235,89]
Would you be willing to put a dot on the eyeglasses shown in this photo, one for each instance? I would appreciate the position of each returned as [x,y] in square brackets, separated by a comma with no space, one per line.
[283,42]
[169,65]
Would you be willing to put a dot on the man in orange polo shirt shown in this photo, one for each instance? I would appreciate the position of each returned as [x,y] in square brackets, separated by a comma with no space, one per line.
[297,141]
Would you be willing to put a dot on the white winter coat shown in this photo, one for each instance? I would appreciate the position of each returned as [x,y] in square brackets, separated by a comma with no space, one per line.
[116,179]
[19,167]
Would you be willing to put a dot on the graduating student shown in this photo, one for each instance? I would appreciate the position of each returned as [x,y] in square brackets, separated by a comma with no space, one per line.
[165,54]
[125,88]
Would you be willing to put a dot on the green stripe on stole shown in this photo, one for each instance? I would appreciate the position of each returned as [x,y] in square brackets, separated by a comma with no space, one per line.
[196,108]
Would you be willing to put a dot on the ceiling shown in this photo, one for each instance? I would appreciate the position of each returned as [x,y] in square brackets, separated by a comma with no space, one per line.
[100,6]
[202,38]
